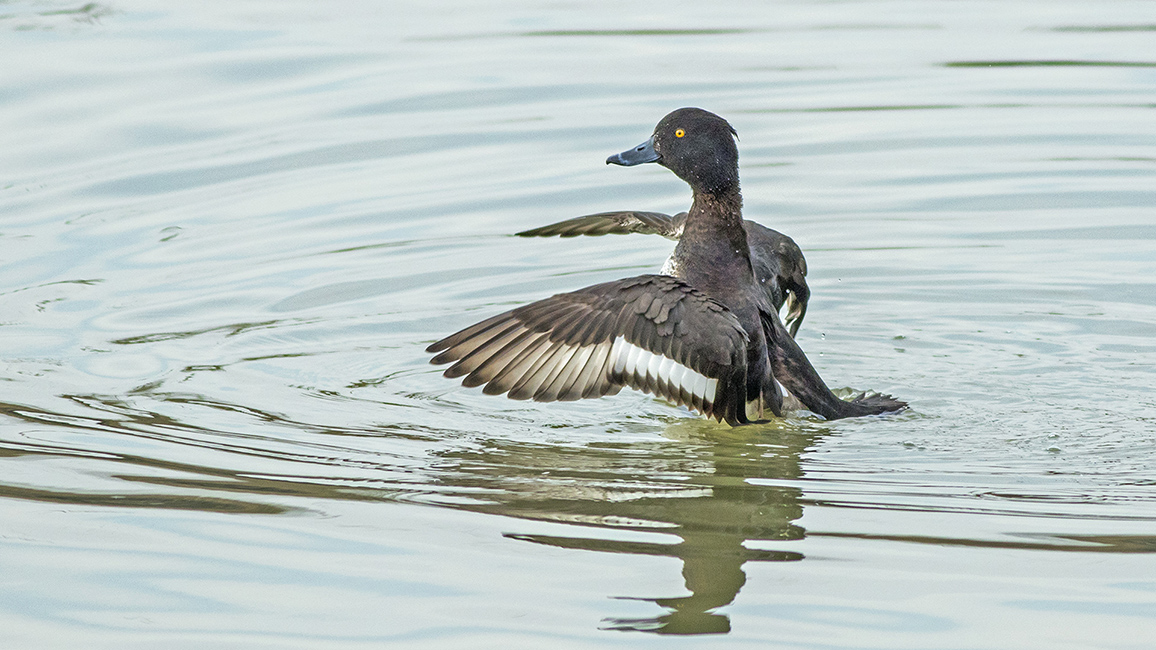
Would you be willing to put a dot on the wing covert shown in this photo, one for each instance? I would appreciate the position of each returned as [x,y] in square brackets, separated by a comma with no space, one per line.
[653,333]
[614,223]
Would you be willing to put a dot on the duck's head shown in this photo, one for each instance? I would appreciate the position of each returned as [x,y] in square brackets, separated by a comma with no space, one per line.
[697,145]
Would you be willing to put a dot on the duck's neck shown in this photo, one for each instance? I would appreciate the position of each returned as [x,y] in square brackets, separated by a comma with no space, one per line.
[712,253]
[718,217]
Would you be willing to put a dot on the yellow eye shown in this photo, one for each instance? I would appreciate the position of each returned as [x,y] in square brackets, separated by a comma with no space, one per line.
[679,133]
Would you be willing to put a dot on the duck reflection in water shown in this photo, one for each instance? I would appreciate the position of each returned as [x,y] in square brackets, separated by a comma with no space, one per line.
[695,485]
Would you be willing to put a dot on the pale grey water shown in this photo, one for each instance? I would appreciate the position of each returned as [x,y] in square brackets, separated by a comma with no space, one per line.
[228,230]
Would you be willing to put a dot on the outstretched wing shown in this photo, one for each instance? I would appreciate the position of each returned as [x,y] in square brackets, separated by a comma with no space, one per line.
[781,269]
[653,333]
[614,223]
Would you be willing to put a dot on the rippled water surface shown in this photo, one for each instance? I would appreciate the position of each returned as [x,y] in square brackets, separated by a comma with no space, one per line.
[228,230]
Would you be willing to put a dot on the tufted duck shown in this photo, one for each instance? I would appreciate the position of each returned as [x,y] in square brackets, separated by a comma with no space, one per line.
[705,335]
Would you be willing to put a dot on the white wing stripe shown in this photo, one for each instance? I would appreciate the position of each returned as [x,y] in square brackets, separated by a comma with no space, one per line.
[633,353]
[710,390]
[677,372]
[654,363]
[665,368]
[633,362]
[695,383]
[617,358]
